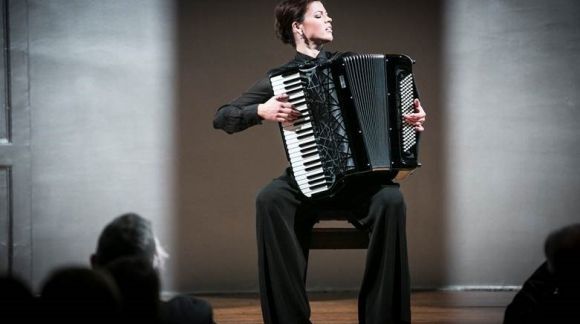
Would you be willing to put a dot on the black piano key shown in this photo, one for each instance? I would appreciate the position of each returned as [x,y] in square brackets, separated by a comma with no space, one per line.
[309,149]
[318,186]
[306,143]
[302,130]
[306,164]
[293,88]
[314,167]
[290,80]
[317,181]
[300,122]
[312,176]
[295,101]
[307,155]
[305,135]
[291,91]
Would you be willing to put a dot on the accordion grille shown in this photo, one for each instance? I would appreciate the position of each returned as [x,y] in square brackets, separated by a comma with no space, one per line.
[409,135]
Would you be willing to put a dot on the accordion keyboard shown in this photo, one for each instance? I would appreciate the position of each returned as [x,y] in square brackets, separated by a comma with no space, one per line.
[299,137]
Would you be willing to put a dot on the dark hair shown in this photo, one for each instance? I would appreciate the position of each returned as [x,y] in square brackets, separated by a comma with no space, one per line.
[127,235]
[562,250]
[287,12]
[139,286]
[78,292]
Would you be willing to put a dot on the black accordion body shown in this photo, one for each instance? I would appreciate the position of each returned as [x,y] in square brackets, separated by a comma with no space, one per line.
[351,121]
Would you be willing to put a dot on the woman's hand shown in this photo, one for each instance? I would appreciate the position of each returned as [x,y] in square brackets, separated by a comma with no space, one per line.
[278,109]
[417,119]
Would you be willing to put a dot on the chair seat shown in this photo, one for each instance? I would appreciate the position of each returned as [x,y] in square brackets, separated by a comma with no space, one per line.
[327,238]
[338,239]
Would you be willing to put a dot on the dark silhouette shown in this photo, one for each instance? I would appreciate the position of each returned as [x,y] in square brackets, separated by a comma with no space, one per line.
[16,300]
[128,249]
[127,235]
[552,293]
[76,294]
[138,284]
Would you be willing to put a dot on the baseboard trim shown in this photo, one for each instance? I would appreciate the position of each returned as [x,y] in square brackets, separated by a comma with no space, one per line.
[167,295]
[471,288]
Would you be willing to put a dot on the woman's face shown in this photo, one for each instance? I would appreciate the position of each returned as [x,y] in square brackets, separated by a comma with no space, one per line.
[316,26]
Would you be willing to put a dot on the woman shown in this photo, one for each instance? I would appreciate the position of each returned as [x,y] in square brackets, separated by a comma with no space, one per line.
[284,217]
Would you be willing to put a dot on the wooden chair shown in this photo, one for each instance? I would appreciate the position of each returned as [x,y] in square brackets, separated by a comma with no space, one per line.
[337,237]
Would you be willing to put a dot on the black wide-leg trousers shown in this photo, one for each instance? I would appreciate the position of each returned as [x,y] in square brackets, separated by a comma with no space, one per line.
[284,223]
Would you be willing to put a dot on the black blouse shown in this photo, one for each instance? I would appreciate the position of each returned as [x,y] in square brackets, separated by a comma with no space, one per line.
[242,112]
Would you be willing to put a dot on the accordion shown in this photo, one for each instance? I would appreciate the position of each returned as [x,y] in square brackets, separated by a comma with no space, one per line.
[351,121]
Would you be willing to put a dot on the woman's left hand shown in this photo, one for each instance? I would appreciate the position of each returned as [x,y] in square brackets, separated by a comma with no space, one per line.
[417,119]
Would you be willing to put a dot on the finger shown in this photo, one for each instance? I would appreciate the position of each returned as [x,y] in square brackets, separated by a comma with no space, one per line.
[417,107]
[282,97]
[286,105]
[286,111]
[414,123]
[411,119]
[290,111]
[416,117]
[296,112]
[416,103]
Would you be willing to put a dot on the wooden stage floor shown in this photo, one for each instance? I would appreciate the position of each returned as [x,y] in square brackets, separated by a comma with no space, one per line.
[442,307]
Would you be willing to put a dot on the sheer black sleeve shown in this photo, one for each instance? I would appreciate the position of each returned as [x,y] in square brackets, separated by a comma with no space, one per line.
[242,112]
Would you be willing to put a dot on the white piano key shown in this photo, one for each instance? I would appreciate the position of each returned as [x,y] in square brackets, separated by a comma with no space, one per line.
[298,167]
[301,169]
[312,183]
[282,78]
[300,155]
[302,150]
[304,139]
[317,190]
[298,128]
[296,95]
[305,177]
[298,145]
[292,83]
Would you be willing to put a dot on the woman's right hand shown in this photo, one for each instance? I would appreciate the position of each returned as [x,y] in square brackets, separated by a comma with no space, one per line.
[278,109]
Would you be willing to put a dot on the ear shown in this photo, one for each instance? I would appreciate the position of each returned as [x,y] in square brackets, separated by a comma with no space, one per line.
[94,262]
[296,28]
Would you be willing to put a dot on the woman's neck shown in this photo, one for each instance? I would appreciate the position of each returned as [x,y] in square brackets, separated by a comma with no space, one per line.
[305,49]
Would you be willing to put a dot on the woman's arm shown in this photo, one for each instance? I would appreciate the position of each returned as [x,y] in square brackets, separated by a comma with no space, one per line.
[242,112]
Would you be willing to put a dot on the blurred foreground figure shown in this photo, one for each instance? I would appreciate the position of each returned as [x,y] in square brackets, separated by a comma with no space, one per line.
[552,293]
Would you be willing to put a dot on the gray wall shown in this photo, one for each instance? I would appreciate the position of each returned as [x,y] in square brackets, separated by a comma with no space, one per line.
[101,95]
[122,96]
[513,145]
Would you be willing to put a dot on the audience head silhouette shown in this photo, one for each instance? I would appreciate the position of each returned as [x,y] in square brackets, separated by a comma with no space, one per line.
[562,250]
[16,299]
[139,286]
[80,293]
[551,294]
[128,235]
